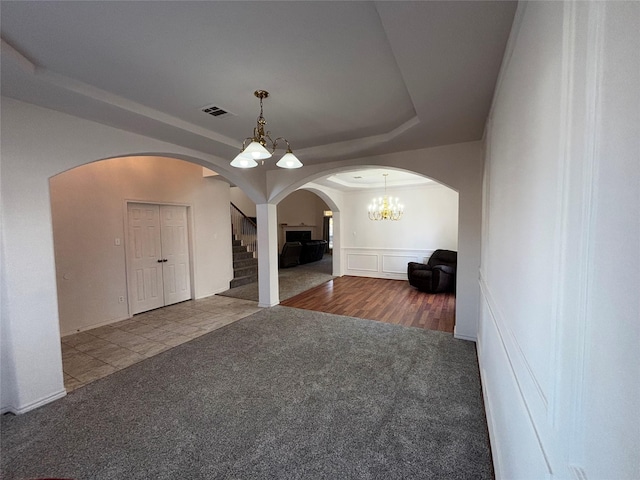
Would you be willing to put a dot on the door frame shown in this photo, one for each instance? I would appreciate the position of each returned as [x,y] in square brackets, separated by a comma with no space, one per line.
[190,244]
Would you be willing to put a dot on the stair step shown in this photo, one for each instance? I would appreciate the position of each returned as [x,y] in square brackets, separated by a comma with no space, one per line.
[236,243]
[242,256]
[239,248]
[249,262]
[245,271]
[237,282]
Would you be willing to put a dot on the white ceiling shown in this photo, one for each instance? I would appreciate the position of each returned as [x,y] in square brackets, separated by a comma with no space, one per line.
[372,178]
[347,79]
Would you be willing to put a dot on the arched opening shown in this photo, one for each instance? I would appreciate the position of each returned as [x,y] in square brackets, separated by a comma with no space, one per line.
[131,235]
[301,214]
[382,249]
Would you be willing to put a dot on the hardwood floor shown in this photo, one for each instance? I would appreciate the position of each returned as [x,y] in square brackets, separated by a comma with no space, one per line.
[391,301]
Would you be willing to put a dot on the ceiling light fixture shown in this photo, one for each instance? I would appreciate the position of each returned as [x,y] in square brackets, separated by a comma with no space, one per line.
[261,142]
[385,208]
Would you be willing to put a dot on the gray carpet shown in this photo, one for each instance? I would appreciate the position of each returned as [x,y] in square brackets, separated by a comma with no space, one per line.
[291,281]
[282,394]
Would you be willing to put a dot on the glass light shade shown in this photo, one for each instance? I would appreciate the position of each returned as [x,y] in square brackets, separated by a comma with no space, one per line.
[289,160]
[256,151]
[242,161]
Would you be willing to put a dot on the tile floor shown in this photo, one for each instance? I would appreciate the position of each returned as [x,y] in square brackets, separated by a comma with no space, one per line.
[96,353]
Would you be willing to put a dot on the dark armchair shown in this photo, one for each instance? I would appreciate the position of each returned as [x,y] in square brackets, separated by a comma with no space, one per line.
[290,256]
[437,275]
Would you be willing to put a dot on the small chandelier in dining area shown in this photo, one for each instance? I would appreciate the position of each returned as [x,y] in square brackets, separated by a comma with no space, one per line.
[385,207]
[261,142]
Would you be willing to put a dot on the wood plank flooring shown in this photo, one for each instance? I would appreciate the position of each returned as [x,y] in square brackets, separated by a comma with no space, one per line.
[391,301]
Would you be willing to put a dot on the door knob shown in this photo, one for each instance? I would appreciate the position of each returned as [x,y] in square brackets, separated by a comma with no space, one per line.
[165,260]
[159,261]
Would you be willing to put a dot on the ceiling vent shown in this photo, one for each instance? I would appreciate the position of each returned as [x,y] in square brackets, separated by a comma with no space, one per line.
[215,111]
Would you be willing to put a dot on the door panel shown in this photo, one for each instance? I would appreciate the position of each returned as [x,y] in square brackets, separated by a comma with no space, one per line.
[145,275]
[175,250]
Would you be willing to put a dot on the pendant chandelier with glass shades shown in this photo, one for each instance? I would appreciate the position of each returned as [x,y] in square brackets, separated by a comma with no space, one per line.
[261,142]
[385,207]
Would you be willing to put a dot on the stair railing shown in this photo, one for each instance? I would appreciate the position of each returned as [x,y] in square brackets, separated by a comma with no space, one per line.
[244,229]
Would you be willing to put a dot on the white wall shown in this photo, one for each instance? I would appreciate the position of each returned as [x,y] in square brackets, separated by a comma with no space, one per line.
[243,202]
[559,333]
[383,248]
[88,214]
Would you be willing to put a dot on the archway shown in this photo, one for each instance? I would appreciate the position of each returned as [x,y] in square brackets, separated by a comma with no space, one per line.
[456,166]
[93,244]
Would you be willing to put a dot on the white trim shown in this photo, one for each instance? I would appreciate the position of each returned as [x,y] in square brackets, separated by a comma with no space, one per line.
[518,366]
[33,405]
[377,268]
[95,325]
[469,338]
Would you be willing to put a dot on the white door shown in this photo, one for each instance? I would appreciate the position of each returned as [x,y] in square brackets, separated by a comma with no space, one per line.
[175,254]
[158,260]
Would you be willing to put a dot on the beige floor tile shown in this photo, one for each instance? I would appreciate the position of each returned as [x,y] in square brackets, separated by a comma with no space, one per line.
[80,364]
[116,335]
[78,339]
[236,316]
[70,383]
[205,322]
[178,340]
[140,328]
[100,331]
[180,328]
[68,350]
[157,322]
[127,339]
[149,348]
[198,319]
[155,350]
[198,333]
[96,373]
[95,344]
[124,323]
[158,335]
[108,352]
[125,358]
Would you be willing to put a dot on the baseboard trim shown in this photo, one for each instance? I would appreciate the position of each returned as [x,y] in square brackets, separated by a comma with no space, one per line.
[470,338]
[90,327]
[33,405]
[267,305]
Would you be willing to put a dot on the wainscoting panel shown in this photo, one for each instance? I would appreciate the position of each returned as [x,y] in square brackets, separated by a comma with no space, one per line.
[516,428]
[396,264]
[388,263]
[362,262]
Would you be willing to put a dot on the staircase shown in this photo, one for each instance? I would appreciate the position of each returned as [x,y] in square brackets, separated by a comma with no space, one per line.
[244,245]
[245,267]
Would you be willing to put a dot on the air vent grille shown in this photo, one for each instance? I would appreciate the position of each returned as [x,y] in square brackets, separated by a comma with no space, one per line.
[215,111]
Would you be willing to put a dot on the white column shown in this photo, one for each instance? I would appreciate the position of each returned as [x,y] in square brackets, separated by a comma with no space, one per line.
[337,245]
[268,294]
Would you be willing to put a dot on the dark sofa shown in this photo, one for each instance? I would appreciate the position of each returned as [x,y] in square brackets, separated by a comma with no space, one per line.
[298,253]
[312,251]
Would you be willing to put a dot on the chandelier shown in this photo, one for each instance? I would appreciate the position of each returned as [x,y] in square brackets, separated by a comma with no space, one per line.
[385,208]
[261,142]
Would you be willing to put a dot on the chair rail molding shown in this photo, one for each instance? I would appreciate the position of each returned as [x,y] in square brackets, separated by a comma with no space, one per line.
[388,263]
